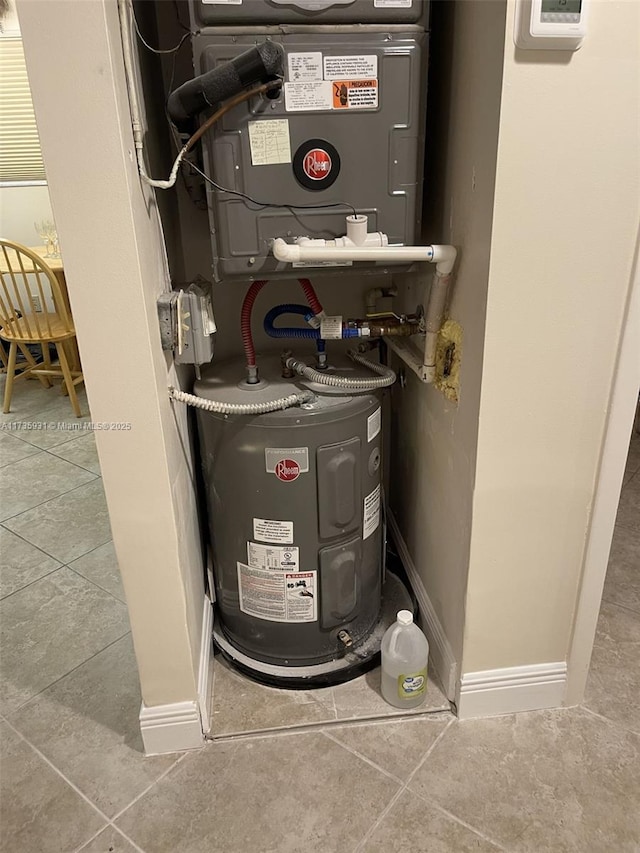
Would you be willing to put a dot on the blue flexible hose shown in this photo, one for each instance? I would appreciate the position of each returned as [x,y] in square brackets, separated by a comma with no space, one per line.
[288,331]
[293,332]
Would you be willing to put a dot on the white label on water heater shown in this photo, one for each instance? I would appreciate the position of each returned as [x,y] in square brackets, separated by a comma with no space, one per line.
[278,596]
[284,559]
[371,515]
[392,4]
[331,328]
[269,530]
[304,67]
[274,455]
[350,67]
[374,423]
[269,142]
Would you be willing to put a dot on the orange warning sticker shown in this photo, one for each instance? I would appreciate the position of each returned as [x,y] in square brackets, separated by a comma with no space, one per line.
[355,94]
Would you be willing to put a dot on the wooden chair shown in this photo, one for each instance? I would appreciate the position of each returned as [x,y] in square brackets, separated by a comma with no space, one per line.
[32,311]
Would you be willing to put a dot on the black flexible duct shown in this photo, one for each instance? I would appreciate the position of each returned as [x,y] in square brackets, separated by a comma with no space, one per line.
[259,64]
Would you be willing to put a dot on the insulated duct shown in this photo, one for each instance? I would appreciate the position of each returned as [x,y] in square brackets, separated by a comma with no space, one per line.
[259,64]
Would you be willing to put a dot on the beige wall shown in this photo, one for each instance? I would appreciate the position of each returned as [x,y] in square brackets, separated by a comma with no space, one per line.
[434,441]
[20,207]
[115,267]
[565,219]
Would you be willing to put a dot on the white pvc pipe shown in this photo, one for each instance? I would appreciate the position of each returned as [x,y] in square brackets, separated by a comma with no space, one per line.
[295,253]
[433,322]
[357,229]
[320,250]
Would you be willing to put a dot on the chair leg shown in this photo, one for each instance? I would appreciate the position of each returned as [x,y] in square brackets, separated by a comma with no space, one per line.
[11,369]
[68,379]
[3,356]
[44,380]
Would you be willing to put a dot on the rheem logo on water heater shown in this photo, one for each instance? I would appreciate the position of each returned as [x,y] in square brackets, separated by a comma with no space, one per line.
[317,164]
[287,470]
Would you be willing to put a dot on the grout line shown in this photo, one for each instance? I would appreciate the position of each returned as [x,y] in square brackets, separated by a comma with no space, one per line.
[428,752]
[178,760]
[459,820]
[404,788]
[364,758]
[608,720]
[31,583]
[53,557]
[81,467]
[37,547]
[44,689]
[385,811]
[70,461]
[93,583]
[117,829]
[71,569]
[130,840]
[109,821]
[623,606]
[333,699]
[89,840]
[55,498]
[58,772]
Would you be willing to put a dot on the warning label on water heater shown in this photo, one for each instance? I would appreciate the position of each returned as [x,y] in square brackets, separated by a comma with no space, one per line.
[270,530]
[272,557]
[278,596]
[371,513]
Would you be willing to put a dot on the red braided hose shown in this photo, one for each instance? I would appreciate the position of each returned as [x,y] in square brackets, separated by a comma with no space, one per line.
[245,322]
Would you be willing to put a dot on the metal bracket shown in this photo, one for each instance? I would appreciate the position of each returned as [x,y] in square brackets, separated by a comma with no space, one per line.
[405,351]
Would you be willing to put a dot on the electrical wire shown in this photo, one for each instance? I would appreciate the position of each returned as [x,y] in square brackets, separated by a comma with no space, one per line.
[232,102]
[154,49]
[262,204]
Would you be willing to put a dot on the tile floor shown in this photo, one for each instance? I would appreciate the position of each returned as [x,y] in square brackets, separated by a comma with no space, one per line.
[73,777]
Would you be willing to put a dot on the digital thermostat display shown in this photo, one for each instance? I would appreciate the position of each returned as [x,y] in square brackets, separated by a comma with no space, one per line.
[556,7]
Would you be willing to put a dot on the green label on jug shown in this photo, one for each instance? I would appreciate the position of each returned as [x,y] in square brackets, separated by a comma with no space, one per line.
[412,685]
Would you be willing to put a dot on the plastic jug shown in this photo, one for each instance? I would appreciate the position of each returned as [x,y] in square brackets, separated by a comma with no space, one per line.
[405,653]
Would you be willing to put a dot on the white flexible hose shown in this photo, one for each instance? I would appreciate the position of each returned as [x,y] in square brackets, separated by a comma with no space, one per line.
[240,408]
[387,376]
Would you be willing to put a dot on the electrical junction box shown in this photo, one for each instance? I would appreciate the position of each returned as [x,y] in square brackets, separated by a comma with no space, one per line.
[218,13]
[345,134]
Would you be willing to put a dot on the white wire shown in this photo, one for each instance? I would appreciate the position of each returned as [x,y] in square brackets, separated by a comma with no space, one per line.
[155,49]
[125,11]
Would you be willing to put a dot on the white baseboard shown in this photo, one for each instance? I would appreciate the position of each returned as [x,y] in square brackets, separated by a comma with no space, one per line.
[440,650]
[178,726]
[204,668]
[493,692]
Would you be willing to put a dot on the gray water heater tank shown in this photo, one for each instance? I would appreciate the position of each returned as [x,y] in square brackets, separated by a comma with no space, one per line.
[294,506]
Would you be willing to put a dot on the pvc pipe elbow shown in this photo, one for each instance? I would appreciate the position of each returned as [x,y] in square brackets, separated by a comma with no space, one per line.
[444,257]
[288,253]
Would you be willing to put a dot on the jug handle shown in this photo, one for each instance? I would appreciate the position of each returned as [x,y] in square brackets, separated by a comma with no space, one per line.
[394,639]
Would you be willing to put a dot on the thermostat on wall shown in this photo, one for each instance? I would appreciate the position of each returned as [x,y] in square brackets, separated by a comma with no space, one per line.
[550,24]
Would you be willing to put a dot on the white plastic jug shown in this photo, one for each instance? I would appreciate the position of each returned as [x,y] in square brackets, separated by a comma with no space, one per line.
[405,653]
